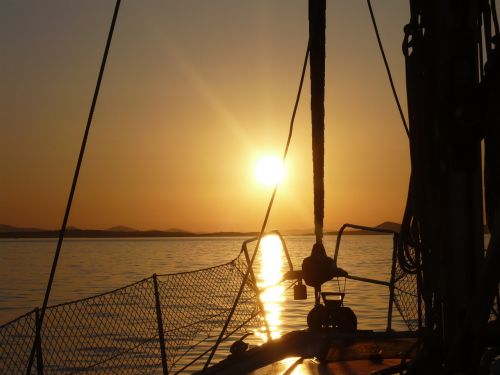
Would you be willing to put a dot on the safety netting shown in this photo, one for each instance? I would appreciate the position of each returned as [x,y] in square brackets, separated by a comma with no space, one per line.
[495,308]
[165,323]
[407,296]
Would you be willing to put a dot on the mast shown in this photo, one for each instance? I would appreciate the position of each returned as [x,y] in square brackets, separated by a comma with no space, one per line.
[317,268]
[458,151]
[441,49]
[317,26]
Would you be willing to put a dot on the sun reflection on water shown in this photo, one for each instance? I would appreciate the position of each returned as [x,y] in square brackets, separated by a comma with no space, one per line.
[270,273]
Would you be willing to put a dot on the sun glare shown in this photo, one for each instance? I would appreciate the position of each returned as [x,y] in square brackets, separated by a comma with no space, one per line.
[269,170]
[270,274]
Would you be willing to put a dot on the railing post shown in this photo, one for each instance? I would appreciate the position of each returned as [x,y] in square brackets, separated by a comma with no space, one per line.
[160,326]
[247,258]
[395,244]
[285,250]
[257,291]
[38,343]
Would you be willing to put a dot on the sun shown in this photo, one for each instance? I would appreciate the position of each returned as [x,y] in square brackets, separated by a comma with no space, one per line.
[269,170]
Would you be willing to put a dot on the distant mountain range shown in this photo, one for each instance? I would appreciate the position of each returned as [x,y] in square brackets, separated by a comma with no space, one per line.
[9,228]
[121,228]
[9,231]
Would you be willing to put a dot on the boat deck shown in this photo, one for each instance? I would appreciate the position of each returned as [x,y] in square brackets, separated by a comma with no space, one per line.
[302,366]
[322,352]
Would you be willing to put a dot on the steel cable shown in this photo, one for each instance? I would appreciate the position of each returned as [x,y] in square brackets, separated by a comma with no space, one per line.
[388,69]
[74,183]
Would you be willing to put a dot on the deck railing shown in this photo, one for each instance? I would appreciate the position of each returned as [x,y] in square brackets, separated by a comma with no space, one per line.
[152,326]
[165,323]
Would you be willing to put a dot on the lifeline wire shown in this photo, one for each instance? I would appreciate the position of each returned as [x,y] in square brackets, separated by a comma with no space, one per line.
[73,185]
[387,68]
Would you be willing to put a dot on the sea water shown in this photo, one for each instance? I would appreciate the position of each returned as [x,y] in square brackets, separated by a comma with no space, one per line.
[92,266]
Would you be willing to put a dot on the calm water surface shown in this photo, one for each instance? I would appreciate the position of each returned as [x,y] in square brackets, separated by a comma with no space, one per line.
[91,266]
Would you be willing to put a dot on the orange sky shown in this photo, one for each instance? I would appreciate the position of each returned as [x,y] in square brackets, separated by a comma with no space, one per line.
[193,94]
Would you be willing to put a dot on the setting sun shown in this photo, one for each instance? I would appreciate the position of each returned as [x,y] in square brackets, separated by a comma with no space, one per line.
[269,170]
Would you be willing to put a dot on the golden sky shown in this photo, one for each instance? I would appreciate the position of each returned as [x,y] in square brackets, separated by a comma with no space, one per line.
[194,92]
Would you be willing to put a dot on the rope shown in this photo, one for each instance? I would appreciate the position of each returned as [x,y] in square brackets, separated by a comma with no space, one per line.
[266,217]
[75,180]
[388,69]
[495,16]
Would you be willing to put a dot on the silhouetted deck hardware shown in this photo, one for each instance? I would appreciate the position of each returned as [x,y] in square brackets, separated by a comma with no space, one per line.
[332,314]
[403,286]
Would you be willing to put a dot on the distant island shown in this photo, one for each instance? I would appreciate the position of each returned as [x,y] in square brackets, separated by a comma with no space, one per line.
[9,231]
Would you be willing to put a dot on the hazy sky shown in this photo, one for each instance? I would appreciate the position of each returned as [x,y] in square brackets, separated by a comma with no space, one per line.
[194,92]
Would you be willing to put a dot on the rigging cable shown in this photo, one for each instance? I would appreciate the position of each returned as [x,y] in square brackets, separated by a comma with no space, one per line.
[387,68]
[266,217]
[73,187]
[408,264]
